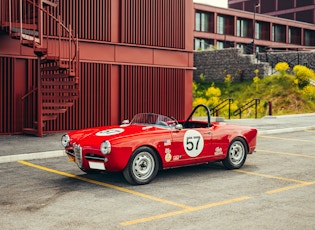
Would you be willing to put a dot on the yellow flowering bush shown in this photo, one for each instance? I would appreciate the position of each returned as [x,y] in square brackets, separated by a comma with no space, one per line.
[303,75]
[282,67]
[309,91]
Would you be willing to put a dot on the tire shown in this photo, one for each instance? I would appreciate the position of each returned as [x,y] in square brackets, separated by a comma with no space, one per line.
[142,167]
[236,155]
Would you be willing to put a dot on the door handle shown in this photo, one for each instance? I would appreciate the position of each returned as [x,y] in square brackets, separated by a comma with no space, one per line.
[208,133]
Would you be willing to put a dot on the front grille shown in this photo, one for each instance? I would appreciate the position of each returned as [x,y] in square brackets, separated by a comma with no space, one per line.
[78,154]
[90,156]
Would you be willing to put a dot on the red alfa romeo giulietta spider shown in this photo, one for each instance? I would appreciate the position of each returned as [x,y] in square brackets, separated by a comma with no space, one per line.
[151,142]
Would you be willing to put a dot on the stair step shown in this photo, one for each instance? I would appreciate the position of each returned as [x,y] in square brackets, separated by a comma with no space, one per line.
[54,111]
[49,117]
[30,131]
[36,124]
[40,51]
[28,43]
[58,75]
[58,83]
[57,105]
[72,91]
[51,68]
[60,98]
[50,59]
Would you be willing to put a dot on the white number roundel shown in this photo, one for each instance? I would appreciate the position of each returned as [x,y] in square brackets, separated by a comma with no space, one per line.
[193,143]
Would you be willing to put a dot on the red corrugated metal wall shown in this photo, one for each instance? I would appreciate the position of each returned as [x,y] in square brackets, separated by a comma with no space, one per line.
[6,95]
[154,23]
[113,88]
[149,89]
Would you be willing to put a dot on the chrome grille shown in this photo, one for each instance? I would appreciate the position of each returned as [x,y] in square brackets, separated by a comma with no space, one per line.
[78,154]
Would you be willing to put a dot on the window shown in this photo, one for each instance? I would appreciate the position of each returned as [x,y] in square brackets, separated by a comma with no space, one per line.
[242,28]
[278,33]
[220,25]
[203,44]
[202,22]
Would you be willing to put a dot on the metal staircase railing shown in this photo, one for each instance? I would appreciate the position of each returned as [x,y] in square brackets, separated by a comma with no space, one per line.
[248,105]
[56,48]
[217,108]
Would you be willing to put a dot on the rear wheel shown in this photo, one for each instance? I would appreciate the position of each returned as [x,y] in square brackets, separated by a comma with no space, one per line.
[236,155]
[142,166]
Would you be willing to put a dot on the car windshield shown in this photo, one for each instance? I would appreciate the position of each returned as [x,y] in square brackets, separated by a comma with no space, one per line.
[153,119]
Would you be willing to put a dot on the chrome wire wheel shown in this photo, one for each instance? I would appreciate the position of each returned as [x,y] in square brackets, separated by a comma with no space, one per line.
[143,166]
[236,155]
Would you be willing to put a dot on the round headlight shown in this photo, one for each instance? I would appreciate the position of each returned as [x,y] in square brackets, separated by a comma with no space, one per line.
[106,147]
[65,140]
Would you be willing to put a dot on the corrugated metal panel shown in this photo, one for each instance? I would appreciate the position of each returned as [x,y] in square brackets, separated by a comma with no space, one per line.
[90,19]
[153,23]
[149,89]
[6,95]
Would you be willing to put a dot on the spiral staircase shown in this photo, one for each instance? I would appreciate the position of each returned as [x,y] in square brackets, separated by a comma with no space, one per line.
[36,24]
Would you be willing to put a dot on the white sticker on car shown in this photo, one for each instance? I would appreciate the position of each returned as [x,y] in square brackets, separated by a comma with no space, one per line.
[109,132]
[193,143]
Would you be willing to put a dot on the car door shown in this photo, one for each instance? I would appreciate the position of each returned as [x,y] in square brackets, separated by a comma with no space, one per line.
[190,146]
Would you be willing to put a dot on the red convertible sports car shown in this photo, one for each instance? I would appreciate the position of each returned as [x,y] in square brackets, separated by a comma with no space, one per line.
[151,142]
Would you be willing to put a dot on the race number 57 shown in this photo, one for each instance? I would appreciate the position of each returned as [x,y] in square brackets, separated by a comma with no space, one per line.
[193,143]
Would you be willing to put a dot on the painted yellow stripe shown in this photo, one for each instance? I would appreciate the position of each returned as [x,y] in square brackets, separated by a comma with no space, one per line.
[106,185]
[310,131]
[290,187]
[284,153]
[286,139]
[192,209]
[269,176]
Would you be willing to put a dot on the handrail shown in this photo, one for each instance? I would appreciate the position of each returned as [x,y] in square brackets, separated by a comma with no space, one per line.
[221,105]
[248,105]
[68,30]
[29,93]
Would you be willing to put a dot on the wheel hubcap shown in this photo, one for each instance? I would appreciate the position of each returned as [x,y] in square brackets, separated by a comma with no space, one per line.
[143,165]
[237,153]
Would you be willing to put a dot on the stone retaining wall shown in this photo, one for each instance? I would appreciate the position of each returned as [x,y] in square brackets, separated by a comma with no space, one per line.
[216,64]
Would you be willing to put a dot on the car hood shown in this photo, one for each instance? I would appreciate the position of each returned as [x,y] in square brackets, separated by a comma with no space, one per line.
[99,134]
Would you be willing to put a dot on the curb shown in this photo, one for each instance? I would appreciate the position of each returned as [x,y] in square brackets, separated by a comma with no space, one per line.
[32,156]
[285,130]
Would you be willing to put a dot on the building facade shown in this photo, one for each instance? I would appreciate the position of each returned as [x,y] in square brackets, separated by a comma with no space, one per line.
[299,10]
[217,28]
[75,64]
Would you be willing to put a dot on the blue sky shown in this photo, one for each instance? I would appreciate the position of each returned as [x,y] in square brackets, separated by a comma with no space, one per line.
[219,3]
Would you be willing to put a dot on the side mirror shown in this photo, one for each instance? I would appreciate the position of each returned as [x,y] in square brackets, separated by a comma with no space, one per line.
[179,127]
[125,122]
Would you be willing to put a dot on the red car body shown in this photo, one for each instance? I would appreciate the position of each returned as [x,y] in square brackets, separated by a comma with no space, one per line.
[139,149]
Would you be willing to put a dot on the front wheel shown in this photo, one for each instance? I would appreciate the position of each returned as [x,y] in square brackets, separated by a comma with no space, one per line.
[142,167]
[236,155]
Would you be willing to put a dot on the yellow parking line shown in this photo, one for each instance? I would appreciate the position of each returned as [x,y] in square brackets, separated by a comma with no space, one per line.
[192,209]
[290,187]
[284,153]
[286,139]
[269,176]
[106,185]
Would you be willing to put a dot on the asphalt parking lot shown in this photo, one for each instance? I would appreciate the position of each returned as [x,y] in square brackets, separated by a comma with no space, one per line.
[274,190]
